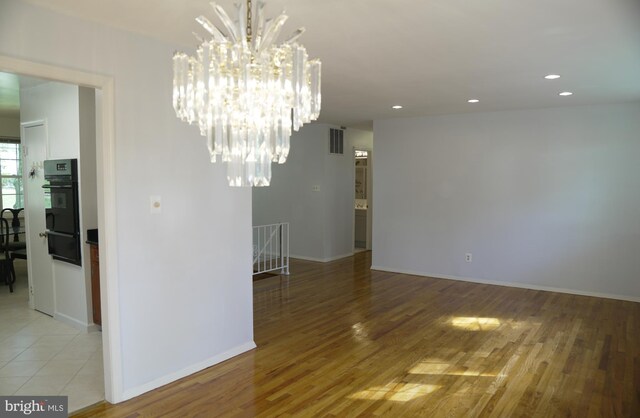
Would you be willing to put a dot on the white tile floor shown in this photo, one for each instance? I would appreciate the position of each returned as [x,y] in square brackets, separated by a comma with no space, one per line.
[42,356]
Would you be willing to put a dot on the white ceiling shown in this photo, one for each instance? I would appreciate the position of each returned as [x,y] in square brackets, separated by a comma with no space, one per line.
[10,85]
[9,95]
[430,56]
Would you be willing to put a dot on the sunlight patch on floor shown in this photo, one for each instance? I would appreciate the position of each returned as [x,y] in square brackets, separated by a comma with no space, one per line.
[445,369]
[398,392]
[359,332]
[474,323]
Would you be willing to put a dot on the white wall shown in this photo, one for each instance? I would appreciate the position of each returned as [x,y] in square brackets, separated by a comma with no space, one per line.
[10,127]
[321,222]
[338,190]
[184,275]
[88,182]
[59,104]
[542,198]
[290,198]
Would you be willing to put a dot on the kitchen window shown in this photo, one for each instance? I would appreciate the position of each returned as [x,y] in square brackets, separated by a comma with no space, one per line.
[12,195]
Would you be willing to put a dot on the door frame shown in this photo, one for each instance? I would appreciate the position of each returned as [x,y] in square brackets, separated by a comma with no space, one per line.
[369,232]
[107,214]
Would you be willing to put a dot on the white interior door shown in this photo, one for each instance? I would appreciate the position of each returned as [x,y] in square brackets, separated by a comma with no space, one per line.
[39,262]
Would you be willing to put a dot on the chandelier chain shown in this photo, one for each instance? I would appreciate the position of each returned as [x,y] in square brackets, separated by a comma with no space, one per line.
[249,13]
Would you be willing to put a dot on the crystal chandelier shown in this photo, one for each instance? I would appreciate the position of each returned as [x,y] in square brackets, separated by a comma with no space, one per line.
[246,93]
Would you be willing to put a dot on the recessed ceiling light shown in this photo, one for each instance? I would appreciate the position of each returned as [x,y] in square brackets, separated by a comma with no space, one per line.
[565,93]
[396,107]
[551,76]
[473,100]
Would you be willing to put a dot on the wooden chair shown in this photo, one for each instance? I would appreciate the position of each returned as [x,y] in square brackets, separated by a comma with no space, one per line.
[15,243]
[7,272]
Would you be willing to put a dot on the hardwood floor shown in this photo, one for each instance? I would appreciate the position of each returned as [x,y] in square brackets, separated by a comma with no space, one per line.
[340,340]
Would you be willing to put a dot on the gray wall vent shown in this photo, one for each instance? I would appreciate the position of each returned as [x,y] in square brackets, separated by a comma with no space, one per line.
[336,141]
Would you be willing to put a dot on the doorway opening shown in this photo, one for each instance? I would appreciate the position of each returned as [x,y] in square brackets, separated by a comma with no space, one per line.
[362,213]
[107,211]
[53,329]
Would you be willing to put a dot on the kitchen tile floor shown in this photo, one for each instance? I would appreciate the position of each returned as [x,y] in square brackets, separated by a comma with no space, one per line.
[42,356]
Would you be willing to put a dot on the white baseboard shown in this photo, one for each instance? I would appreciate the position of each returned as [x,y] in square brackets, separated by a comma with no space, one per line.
[321,260]
[94,328]
[511,284]
[305,258]
[84,327]
[161,381]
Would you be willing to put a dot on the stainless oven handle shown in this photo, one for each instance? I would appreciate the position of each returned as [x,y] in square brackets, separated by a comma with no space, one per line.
[57,186]
[60,234]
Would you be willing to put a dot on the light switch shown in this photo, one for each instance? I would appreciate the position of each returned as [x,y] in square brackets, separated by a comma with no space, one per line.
[316,188]
[156,204]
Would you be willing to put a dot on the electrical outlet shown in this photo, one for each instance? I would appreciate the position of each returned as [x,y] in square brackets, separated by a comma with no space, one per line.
[468,257]
[315,188]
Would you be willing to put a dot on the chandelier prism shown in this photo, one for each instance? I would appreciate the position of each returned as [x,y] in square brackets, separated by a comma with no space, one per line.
[247,93]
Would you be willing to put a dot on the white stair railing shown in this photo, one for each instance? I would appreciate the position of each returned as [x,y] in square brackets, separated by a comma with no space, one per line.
[271,248]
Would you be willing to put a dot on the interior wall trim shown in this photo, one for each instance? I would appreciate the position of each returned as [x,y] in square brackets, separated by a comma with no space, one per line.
[321,260]
[194,368]
[81,326]
[509,284]
[107,198]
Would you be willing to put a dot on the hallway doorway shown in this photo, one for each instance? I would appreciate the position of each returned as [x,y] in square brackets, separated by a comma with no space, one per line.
[362,200]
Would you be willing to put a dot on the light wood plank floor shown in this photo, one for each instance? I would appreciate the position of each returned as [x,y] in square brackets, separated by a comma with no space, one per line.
[339,340]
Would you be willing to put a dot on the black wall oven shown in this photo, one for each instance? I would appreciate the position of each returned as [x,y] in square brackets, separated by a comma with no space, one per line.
[62,209]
